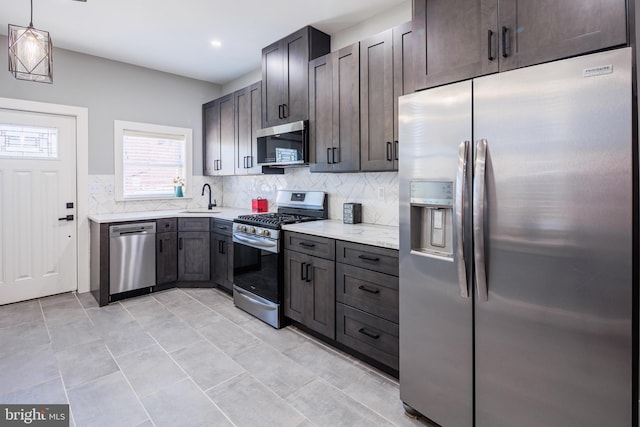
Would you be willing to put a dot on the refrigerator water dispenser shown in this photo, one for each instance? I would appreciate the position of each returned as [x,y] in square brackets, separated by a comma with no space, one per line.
[432,218]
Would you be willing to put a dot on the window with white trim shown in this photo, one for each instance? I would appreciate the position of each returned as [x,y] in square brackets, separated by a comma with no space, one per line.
[149,159]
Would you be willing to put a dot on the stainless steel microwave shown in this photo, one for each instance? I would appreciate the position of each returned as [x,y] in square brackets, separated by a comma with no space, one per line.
[283,145]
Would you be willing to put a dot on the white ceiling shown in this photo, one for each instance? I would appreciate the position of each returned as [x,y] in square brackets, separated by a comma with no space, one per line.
[174,35]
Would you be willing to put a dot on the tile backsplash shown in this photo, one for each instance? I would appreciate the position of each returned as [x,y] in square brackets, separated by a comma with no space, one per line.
[102,198]
[377,191]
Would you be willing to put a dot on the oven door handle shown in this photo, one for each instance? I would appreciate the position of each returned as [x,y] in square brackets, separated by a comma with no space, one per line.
[256,243]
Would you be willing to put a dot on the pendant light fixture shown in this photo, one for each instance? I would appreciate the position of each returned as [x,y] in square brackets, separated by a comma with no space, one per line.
[30,53]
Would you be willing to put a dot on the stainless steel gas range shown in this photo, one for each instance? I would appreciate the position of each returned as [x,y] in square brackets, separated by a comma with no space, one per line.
[258,252]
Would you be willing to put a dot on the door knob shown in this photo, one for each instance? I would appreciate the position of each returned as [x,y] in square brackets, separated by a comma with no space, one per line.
[66,218]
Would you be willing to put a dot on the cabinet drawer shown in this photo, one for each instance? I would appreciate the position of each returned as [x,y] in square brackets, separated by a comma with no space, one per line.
[370,291]
[193,224]
[370,335]
[369,257]
[313,245]
[166,225]
[221,226]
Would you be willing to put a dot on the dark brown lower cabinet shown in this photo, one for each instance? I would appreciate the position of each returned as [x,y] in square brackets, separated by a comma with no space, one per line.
[193,256]
[222,260]
[309,288]
[367,301]
[370,335]
[166,257]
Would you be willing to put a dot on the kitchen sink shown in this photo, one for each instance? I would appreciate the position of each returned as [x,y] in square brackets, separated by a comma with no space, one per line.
[200,211]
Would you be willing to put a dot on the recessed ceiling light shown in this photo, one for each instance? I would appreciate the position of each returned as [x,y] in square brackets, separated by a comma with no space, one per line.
[216,43]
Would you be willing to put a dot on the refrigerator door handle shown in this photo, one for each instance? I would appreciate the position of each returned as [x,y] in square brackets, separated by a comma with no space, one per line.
[478,219]
[461,182]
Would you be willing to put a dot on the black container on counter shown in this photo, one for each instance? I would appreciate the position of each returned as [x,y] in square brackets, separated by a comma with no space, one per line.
[352,213]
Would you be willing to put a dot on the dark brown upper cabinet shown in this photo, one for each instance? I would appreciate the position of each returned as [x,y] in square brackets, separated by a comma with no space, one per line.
[334,111]
[219,136]
[248,116]
[385,74]
[460,39]
[285,65]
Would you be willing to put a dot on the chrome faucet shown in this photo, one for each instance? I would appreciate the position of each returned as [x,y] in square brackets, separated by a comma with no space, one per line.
[211,205]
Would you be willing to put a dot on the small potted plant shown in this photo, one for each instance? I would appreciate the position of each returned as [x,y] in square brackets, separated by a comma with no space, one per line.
[178,183]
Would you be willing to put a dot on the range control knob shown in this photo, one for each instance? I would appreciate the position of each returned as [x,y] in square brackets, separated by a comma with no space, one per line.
[266,233]
[242,227]
[252,230]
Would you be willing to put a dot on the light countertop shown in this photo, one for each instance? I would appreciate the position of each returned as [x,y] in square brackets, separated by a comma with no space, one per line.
[369,234]
[217,212]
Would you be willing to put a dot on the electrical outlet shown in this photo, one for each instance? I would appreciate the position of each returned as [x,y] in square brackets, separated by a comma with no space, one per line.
[380,192]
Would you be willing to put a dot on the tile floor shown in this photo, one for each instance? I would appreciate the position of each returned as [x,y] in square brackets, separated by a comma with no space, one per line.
[183,357]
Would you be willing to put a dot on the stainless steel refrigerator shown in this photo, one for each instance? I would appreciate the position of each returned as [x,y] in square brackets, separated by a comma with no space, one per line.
[516,246]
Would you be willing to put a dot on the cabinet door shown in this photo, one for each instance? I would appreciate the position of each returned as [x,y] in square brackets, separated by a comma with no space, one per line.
[272,84]
[166,257]
[296,69]
[320,298]
[403,81]
[550,29]
[255,95]
[320,113]
[455,40]
[193,256]
[227,136]
[295,285]
[376,102]
[222,260]
[211,135]
[346,109]
[248,115]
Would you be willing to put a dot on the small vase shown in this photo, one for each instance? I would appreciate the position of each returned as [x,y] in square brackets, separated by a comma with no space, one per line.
[178,190]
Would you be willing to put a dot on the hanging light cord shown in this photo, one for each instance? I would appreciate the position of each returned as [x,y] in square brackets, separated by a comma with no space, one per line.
[31,22]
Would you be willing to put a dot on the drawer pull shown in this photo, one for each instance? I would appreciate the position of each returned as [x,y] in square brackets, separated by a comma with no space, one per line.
[363,331]
[369,258]
[371,291]
[307,245]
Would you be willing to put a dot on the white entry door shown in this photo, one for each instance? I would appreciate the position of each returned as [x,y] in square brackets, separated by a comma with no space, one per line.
[37,203]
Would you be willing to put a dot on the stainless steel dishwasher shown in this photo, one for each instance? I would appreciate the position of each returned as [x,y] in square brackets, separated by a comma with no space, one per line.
[132,256]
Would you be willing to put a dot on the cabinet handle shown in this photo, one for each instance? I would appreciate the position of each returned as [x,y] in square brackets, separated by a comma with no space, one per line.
[366,289]
[505,33]
[160,245]
[280,111]
[333,155]
[389,149]
[307,245]
[309,277]
[396,150]
[180,243]
[222,250]
[328,155]
[302,271]
[490,56]
[369,258]
[222,227]
[373,335]
[284,111]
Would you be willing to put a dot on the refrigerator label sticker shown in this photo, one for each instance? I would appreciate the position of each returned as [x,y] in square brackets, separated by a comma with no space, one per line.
[597,71]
